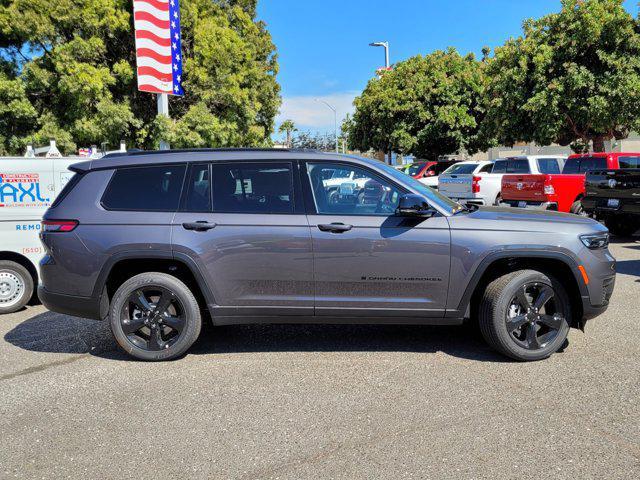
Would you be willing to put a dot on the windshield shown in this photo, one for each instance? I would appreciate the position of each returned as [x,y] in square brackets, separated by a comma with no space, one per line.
[432,196]
[461,169]
[415,168]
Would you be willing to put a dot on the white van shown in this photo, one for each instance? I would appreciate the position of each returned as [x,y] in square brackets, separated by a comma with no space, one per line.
[28,186]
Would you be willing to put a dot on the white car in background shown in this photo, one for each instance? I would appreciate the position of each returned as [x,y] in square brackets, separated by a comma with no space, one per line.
[482,186]
[461,182]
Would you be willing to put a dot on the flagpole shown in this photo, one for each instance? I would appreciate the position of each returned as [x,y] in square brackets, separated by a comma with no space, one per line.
[163,109]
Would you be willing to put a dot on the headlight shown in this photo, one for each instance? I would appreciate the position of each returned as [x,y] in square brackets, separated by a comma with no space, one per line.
[595,241]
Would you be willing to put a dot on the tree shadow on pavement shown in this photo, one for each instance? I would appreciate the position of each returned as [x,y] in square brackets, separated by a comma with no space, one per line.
[56,333]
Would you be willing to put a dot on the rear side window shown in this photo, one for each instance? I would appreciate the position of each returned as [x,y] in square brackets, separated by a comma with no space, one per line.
[585,164]
[253,188]
[155,188]
[518,166]
[73,181]
[500,167]
[549,165]
[629,162]
[462,169]
[486,169]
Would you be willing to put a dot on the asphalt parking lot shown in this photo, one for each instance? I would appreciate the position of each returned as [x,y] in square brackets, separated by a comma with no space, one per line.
[322,402]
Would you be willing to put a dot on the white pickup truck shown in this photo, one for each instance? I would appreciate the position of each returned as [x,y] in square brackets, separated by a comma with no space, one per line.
[28,186]
[480,183]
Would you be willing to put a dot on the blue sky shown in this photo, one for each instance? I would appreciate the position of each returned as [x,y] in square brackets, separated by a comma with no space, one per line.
[323,44]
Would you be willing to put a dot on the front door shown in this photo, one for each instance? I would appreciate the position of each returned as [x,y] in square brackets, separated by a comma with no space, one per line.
[244,224]
[368,261]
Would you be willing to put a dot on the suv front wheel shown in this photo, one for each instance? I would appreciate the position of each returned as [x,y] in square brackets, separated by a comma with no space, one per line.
[525,315]
[154,316]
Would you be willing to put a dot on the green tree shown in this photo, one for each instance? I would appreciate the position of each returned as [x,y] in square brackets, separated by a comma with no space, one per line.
[427,106]
[288,127]
[572,78]
[68,70]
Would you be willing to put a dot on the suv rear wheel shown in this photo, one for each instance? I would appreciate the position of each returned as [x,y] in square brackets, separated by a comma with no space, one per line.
[154,316]
[16,286]
[525,315]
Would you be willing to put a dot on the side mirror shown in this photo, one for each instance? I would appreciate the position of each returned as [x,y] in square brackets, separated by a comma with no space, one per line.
[414,205]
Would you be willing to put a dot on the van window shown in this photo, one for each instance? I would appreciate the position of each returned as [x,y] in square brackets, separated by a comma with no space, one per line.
[155,188]
[548,165]
[253,188]
[197,196]
[629,162]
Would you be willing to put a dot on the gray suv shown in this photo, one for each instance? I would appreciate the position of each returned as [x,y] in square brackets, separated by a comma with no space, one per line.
[156,241]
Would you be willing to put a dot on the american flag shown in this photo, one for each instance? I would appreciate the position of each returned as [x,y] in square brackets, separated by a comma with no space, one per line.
[158,46]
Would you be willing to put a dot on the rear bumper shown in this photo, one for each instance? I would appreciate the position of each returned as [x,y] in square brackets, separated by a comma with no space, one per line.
[599,207]
[84,307]
[530,204]
[471,200]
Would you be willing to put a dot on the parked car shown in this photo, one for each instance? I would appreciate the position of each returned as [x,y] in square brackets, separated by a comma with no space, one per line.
[155,241]
[614,196]
[551,190]
[27,188]
[462,182]
[421,169]
[434,171]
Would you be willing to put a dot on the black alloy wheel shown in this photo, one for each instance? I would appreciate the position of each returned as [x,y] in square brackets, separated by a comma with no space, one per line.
[534,317]
[152,318]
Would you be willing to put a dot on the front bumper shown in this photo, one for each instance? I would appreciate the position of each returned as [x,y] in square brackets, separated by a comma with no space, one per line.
[84,307]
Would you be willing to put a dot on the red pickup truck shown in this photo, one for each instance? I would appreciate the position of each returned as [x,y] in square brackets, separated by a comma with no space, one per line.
[558,191]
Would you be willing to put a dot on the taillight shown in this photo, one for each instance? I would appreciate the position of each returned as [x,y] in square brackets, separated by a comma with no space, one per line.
[475,184]
[59,225]
[549,190]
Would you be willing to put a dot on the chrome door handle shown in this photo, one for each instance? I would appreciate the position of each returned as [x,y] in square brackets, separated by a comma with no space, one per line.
[200,226]
[335,227]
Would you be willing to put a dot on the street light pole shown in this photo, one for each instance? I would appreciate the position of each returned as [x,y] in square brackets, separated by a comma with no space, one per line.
[386,52]
[335,121]
[386,67]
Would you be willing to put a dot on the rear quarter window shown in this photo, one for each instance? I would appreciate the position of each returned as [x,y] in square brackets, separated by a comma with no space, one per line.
[548,165]
[153,188]
[73,181]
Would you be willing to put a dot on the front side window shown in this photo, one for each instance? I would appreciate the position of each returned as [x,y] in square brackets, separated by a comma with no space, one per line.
[629,162]
[197,196]
[154,188]
[361,192]
[253,188]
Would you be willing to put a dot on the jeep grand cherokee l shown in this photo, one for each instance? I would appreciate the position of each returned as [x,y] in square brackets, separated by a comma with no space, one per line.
[156,241]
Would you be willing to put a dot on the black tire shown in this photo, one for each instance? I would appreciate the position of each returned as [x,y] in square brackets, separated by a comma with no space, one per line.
[622,226]
[498,200]
[16,286]
[578,209]
[534,338]
[154,331]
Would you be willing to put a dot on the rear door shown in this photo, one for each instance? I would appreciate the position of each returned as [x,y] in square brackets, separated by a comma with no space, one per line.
[368,262]
[244,224]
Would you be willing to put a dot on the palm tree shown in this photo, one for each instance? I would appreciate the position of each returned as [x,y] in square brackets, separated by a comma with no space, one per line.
[289,127]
